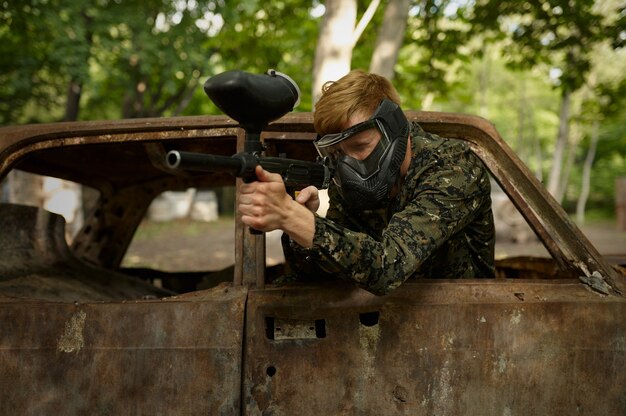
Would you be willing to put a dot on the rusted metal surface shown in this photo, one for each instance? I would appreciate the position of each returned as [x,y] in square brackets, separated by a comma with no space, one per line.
[526,267]
[19,140]
[108,232]
[176,356]
[506,346]
[249,247]
[437,348]
[36,263]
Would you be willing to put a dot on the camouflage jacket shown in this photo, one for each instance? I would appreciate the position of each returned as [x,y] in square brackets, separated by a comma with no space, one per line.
[440,225]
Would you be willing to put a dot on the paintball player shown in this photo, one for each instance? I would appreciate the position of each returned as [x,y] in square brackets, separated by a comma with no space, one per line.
[403,203]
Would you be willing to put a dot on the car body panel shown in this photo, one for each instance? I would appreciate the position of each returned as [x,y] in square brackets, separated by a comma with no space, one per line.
[437,348]
[180,355]
[545,337]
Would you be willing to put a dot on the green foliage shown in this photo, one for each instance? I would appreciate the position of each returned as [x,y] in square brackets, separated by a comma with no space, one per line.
[571,38]
[557,32]
[277,35]
[362,53]
[433,51]
[111,48]
[502,59]
[27,70]
[150,57]
[610,161]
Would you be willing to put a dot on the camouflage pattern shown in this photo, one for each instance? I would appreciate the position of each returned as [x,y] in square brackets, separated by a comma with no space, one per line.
[440,225]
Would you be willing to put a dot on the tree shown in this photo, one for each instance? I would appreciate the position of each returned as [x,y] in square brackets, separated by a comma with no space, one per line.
[79,27]
[558,32]
[259,35]
[603,101]
[39,68]
[586,181]
[29,71]
[390,38]
[146,54]
[431,58]
[427,28]
[150,56]
[108,59]
[338,35]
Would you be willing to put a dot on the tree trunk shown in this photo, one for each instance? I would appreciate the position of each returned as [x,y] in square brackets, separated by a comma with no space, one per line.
[620,202]
[586,179]
[390,38]
[538,153]
[522,105]
[483,82]
[333,54]
[72,106]
[561,144]
[427,101]
[572,147]
[186,97]
[75,87]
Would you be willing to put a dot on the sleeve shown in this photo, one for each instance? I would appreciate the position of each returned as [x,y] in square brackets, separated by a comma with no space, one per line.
[449,191]
[303,263]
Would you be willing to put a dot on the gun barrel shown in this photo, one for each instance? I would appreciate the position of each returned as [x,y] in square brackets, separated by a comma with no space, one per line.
[203,162]
[295,173]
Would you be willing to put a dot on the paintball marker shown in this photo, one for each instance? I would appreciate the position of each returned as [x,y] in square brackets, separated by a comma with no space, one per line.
[253,100]
[295,173]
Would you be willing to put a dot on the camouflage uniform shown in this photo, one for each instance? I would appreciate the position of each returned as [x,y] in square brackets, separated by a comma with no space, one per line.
[440,225]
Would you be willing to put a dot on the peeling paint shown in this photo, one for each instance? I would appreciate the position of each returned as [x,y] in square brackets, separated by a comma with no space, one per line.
[597,282]
[72,339]
[447,341]
[442,390]
[502,363]
[516,317]
[369,338]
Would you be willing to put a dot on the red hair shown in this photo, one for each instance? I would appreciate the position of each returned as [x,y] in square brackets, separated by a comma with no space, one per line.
[356,92]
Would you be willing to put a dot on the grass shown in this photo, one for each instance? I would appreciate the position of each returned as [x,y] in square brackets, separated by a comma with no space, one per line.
[152,229]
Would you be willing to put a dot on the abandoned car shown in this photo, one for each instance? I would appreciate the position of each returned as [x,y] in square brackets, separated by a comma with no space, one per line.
[83,335]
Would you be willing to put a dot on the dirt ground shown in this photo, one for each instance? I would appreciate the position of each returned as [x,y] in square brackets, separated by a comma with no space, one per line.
[184,245]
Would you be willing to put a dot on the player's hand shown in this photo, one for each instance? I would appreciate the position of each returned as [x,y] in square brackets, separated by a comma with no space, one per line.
[263,204]
[309,197]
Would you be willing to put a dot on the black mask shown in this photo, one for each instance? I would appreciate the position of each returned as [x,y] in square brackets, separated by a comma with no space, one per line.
[366,184]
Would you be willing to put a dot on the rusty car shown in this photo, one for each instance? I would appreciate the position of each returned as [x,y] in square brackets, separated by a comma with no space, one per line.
[80,334]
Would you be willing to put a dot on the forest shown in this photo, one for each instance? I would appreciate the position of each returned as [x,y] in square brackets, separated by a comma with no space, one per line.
[550,74]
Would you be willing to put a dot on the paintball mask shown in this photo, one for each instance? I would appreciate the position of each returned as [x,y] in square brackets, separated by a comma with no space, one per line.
[366,184]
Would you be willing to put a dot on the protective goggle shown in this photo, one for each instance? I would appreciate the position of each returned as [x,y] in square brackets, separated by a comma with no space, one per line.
[329,145]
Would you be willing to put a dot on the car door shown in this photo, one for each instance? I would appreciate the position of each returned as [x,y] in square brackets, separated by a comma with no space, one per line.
[457,347]
[180,355]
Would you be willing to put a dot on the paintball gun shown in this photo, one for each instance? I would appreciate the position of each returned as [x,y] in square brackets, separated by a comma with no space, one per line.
[253,100]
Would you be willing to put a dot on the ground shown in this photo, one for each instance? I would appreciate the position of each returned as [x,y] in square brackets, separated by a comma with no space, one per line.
[184,245]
